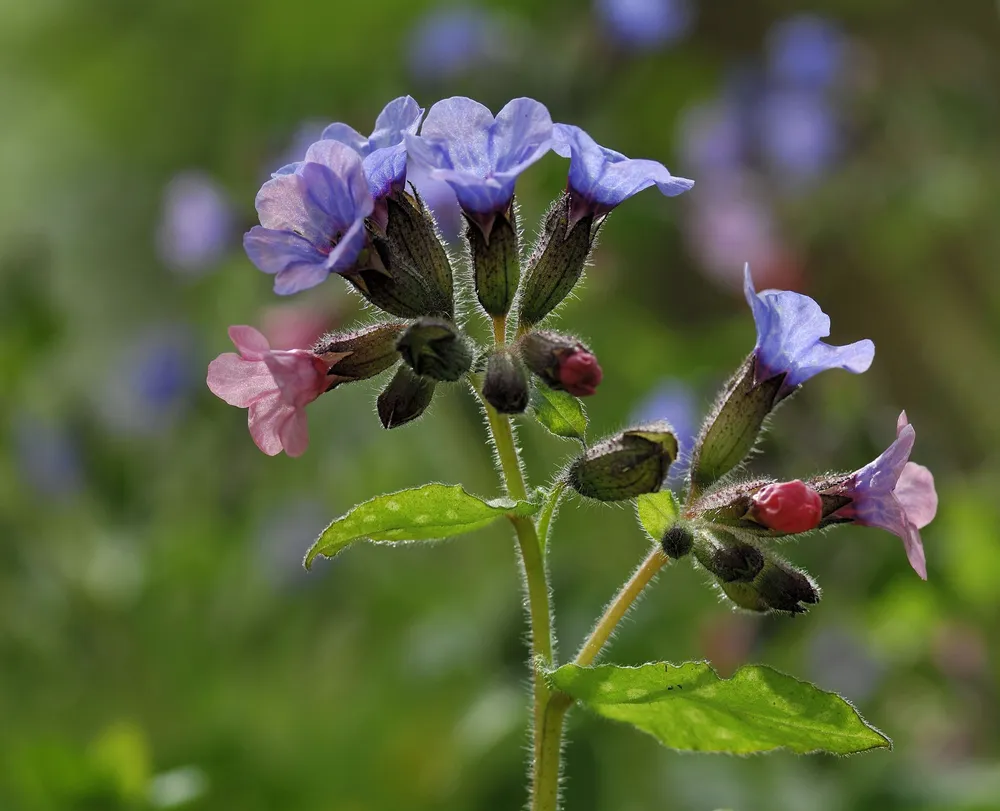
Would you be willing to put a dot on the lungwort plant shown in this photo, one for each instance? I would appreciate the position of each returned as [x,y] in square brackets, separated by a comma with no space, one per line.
[345,209]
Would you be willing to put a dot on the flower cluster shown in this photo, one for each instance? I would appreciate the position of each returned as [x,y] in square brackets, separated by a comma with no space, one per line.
[346,209]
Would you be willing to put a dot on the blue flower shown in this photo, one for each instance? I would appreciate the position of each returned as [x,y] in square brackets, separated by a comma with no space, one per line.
[894,494]
[600,179]
[646,24]
[806,50]
[478,155]
[789,328]
[312,219]
[384,151]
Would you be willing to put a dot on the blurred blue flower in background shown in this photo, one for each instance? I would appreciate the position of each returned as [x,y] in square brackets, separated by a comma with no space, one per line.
[675,401]
[196,225]
[448,42]
[646,24]
[806,51]
[799,134]
[713,137]
[48,458]
[152,385]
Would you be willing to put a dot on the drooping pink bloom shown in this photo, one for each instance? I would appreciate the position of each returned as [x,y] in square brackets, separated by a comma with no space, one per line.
[274,385]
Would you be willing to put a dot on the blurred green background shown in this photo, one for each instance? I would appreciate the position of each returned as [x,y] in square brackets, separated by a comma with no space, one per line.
[160,645]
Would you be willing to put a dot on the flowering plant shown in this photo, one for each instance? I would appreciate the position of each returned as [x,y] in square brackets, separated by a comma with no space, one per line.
[346,210]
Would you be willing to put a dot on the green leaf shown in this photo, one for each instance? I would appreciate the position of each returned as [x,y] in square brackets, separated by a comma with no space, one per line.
[689,707]
[559,412]
[431,511]
[657,512]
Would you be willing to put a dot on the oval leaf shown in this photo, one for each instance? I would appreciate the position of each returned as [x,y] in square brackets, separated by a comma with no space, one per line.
[689,707]
[423,513]
[657,512]
[559,412]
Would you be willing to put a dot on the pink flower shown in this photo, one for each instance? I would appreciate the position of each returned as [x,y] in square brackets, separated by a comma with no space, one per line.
[275,385]
[894,494]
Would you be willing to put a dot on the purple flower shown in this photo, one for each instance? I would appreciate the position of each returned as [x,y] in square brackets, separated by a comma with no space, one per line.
[894,494]
[196,225]
[600,178]
[449,42]
[789,328]
[799,133]
[805,50]
[478,155]
[312,219]
[384,151]
[646,24]
[713,136]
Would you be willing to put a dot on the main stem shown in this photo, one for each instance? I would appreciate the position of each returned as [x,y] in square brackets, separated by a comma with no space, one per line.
[547,738]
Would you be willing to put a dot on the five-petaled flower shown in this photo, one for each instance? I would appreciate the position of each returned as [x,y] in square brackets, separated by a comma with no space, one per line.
[789,329]
[892,493]
[274,385]
[312,219]
[478,155]
[384,151]
[600,178]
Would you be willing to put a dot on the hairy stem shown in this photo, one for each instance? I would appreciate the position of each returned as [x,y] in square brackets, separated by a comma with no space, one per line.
[620,605]
[547,724]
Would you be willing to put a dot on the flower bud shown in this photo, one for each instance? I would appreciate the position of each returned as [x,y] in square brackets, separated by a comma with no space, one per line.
[434,347]
[405,398]
[625,466]
[557,263]
[731,431]
[745,595]
[496,263]
[677,541]
[506,384]
[727,557]
[414,242]
[561,361]
[788,507]
[361,353]
[785,588]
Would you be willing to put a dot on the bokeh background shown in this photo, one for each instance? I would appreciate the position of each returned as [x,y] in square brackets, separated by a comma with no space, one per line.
[160,644]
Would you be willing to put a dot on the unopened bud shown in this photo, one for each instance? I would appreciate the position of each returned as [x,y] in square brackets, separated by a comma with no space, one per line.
[788,507]
[745,595]
[732,429]
[496,263]
[506,384]
[434,347]
[366,352]
[414,242]
[557,263]
[561,361]
[727,557]
[677,541]
[785,588]
[405,398]
[625,466]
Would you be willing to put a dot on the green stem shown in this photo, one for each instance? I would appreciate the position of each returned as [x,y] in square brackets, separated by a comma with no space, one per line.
[548,513]
[620,605]
[547,726]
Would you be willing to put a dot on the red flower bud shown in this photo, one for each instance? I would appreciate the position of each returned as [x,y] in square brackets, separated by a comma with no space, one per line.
[580,373]
[787,507]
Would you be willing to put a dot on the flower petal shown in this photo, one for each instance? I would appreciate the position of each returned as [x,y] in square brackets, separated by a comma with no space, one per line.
[265,417]
[347,136]
[521,134]
[463,125]
[336,183]
[344,255]
[237,381]
[277,251]
[384,169]
[916,493]
[294,433]
[251,342]
[915,550]
[299,375]
[399,117]
[299,277]
[284,204]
